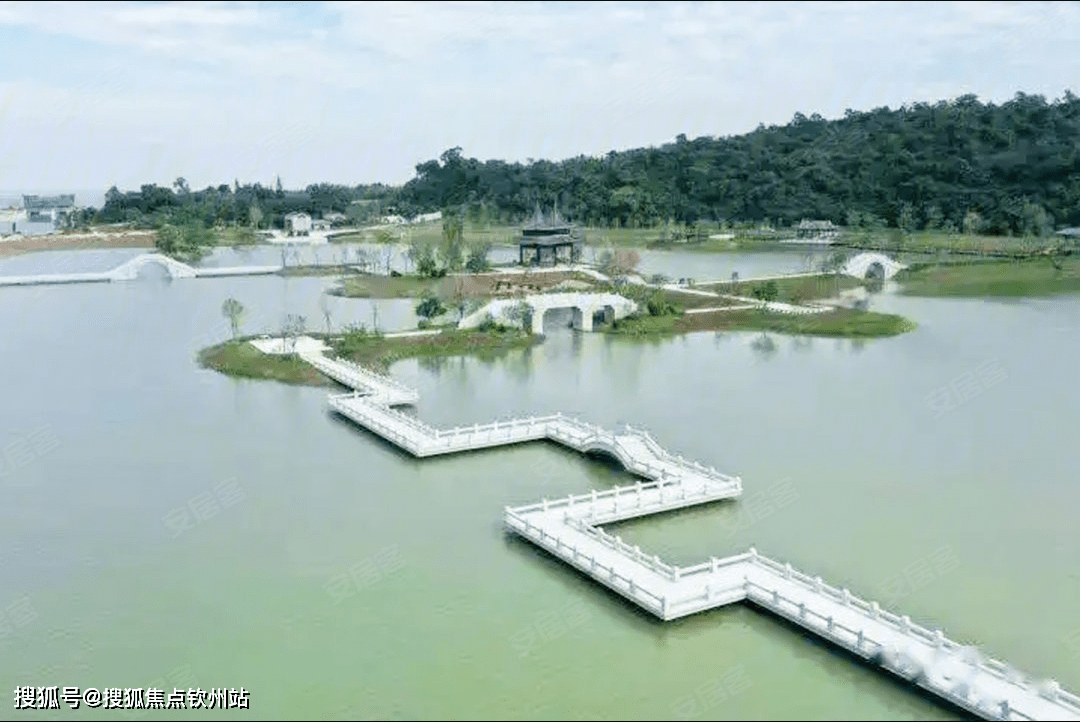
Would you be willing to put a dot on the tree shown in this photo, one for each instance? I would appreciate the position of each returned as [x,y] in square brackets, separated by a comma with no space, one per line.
[453,242]
[973,223]
[291,331]
[429,307]
[255,215]
[324,306]
[458,294]
[189,242]
[422,255]
[766,292]
[477,261]
[234,311]
[520,313]
[619,262]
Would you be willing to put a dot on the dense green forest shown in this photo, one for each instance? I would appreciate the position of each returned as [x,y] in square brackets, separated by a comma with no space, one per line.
[963,165]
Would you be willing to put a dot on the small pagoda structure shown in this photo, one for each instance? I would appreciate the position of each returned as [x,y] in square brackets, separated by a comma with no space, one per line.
[549,239]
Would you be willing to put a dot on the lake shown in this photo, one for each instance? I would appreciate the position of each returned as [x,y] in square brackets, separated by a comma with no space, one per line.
[934,472]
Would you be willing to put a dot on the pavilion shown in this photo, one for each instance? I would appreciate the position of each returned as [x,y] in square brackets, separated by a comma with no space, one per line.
[544,238]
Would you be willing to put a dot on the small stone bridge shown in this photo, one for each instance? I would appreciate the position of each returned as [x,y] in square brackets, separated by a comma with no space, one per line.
[861,265]
[584,305]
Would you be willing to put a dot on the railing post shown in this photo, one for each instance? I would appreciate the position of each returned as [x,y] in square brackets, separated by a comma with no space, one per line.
[787,571]
[1006,713]
[939,639]
[846,597]
[830,623]
[859,641]
[817,584]
[593,492]
[631,581]
[905,624]
[678,573]
[802,609]
[875,610]
[665,606]
[545,503]
[708,592]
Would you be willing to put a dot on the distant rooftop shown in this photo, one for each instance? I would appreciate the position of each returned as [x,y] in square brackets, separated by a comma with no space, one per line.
[542,224]
[817,226]
[1071,232]
[47,203]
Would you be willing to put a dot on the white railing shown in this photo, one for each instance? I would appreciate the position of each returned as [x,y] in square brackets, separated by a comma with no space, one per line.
[858,639]
[605,574]
[364,411]
[993,667]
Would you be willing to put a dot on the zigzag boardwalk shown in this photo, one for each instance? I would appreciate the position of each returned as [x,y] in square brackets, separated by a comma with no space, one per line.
[570,529]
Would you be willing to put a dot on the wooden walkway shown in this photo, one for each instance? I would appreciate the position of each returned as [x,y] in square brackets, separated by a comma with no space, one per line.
[570,529]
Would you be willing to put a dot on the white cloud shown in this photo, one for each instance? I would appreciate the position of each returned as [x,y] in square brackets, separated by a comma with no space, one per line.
[363,91]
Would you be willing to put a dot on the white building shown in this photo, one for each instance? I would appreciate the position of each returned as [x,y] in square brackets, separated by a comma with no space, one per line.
[298,224]
[12,221]
[43,214]
[428,217]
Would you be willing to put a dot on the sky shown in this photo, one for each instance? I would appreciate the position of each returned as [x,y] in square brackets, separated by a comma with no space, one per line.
[125,93]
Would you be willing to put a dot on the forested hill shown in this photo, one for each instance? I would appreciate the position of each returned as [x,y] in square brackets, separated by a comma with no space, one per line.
[1010,168]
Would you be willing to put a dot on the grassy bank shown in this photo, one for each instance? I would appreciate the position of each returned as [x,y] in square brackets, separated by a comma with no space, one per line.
[1028,277]
[841,322]
[380,353]
[474,286]
[328,270]
[240,359]
[792,290]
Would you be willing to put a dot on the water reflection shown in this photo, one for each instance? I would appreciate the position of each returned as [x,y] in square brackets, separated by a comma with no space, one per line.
[764,347]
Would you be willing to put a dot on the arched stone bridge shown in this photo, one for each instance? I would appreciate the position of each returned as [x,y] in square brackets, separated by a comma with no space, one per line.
[859,266]
[129,270]
[585,305]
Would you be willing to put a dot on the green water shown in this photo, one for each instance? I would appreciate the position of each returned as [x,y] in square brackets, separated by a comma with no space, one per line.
[847,472]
